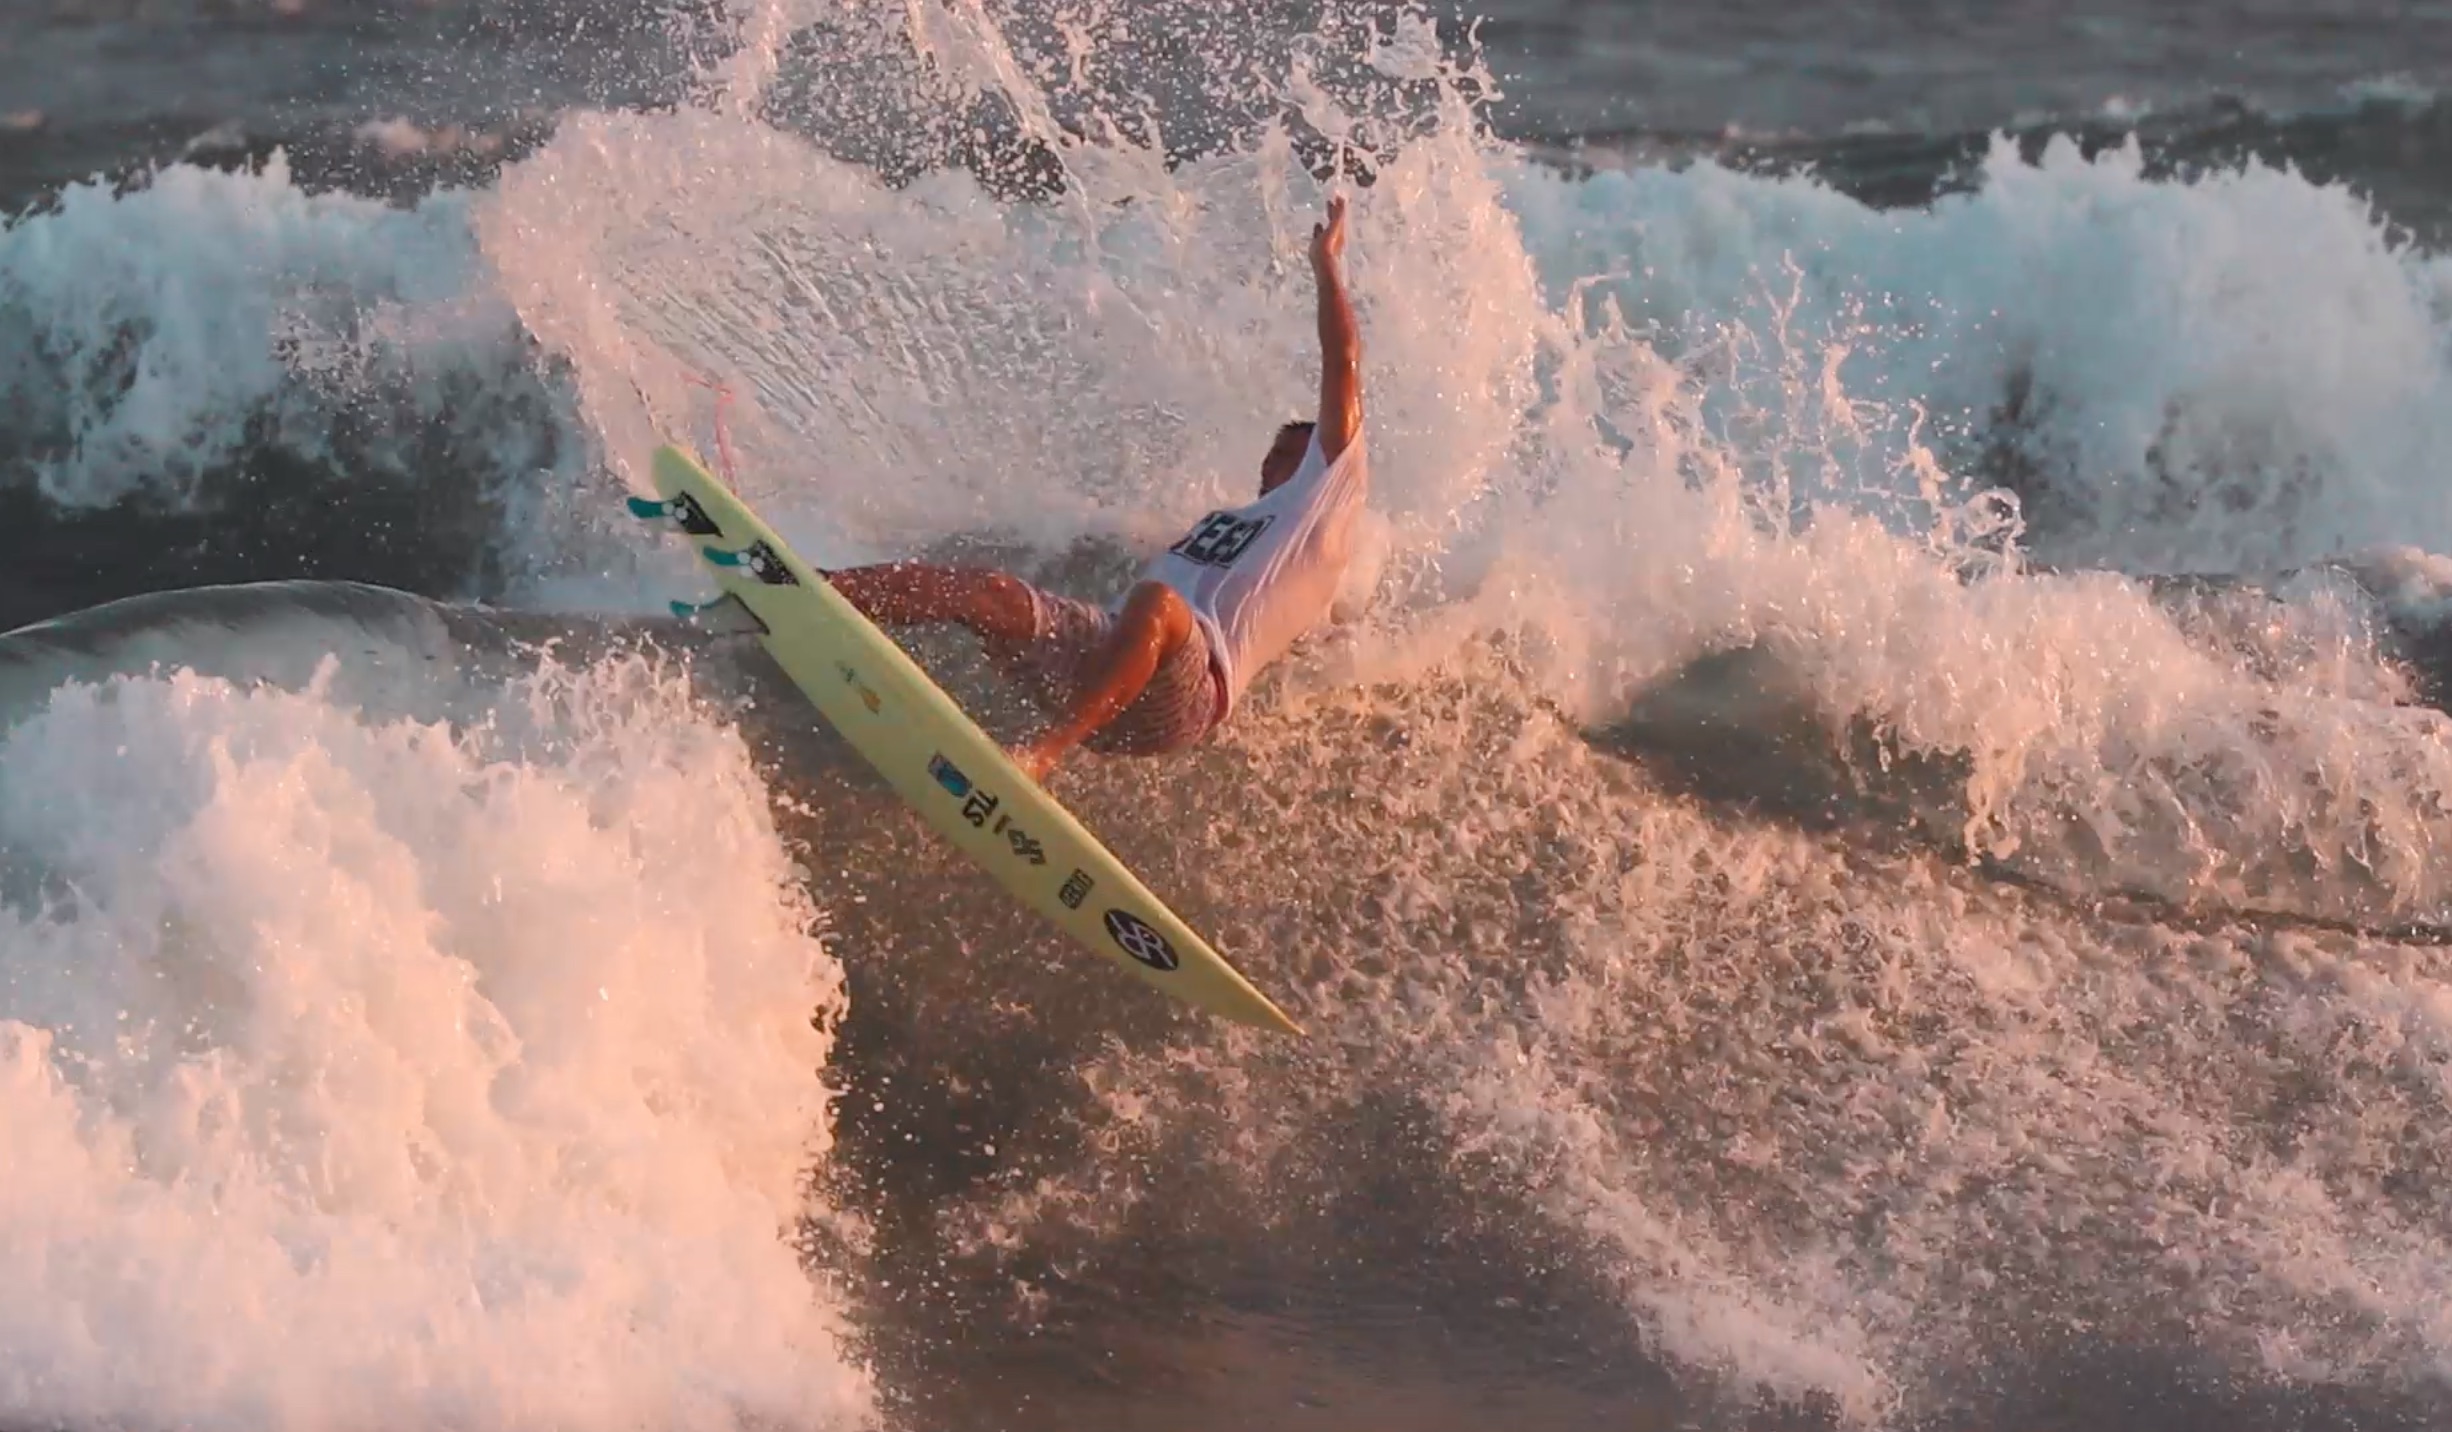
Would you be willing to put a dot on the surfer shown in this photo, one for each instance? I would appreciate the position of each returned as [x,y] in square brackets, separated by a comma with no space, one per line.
[1161,668]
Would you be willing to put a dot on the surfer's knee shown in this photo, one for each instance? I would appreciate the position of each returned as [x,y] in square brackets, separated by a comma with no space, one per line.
[1005,607]
[1158,606]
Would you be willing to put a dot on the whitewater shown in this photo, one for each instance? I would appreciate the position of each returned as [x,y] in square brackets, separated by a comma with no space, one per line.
[1874,857]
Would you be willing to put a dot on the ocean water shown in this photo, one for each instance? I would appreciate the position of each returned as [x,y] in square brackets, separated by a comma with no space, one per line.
[1871,856]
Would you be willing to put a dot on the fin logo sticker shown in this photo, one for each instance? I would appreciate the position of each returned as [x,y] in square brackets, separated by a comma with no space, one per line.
[764,565]
[1076,889]
[692,517]
[1134,937]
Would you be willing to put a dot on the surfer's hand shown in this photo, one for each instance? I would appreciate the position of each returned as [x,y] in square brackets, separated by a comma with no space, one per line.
[1328,239]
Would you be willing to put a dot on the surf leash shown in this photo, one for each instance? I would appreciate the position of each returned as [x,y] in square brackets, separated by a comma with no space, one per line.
[723,436]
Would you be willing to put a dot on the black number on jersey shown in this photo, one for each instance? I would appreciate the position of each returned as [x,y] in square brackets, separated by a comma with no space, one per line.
[1220,538]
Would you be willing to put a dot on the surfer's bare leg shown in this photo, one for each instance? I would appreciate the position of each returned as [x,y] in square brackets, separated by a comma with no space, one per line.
[1152,624]
[996,606]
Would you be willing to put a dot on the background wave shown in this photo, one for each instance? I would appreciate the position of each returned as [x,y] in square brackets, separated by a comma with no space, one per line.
[2073,527]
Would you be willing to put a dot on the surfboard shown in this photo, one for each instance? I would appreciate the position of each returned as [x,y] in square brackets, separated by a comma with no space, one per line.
[938,760]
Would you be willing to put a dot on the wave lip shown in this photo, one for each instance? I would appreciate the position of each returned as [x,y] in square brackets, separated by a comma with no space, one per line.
[155,328]
[352,1058]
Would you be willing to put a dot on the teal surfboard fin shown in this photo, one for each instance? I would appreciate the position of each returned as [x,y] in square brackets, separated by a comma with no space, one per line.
[727,615]
[757,559]
[683,509]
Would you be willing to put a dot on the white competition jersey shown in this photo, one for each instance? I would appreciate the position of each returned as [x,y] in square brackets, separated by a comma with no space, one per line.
[1258,577]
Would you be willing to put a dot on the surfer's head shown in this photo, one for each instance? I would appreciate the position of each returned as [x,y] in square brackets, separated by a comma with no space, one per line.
[1285,455]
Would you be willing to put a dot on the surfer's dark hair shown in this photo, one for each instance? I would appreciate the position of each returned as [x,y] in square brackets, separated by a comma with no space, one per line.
[1302,427]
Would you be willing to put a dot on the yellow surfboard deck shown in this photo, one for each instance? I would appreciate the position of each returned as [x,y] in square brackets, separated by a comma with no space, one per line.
[939,761]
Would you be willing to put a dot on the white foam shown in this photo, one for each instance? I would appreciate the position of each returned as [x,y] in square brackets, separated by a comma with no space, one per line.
[2239,372]
[402,138]
[1785,478]
[396,136]
[355,1067]
[1636,417]
[1841,1127]
[2399,91]
[156,335]
[1115,360]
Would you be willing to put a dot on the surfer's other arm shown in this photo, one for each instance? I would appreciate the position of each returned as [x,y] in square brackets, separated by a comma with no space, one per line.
[1153,623]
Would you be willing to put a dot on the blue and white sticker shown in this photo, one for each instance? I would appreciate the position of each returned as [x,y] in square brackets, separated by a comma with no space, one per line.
[949,775]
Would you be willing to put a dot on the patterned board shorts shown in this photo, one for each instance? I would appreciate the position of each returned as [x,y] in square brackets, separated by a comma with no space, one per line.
[1178,707]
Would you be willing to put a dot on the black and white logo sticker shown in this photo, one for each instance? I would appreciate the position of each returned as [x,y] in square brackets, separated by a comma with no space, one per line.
[692,517]
[1141,942]
[764,565]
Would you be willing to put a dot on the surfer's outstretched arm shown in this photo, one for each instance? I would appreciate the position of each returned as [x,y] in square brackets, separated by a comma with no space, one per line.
[1340,338]
[995,605]
[1152,624]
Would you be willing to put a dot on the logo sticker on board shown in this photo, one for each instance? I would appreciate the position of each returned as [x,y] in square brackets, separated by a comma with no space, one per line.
[764,565]
[949,776]
[1134,937]
[692,518]
[868,697]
